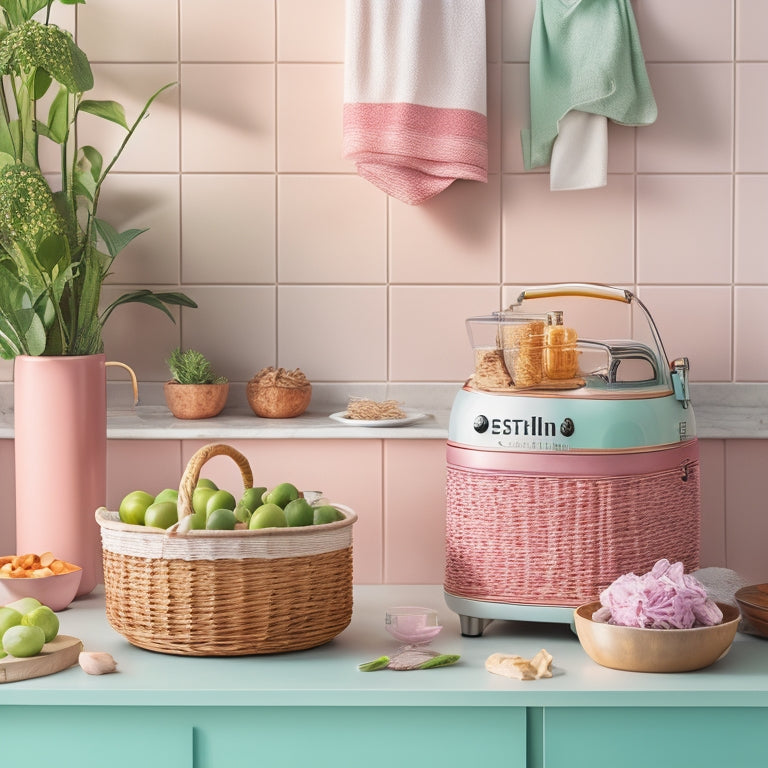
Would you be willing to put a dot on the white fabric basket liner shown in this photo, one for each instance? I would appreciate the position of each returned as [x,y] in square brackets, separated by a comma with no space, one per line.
[267,543]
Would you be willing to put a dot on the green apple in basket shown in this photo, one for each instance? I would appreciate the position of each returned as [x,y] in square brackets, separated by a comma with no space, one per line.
[222,519]
[326,514]
[167,494]
[299,512]
[281,495]
[161,514]
[200,498]
[250,499]
[268,516]
[133,507]
[219,500]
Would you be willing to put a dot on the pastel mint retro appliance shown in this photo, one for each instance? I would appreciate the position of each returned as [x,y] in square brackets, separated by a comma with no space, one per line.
[570,460]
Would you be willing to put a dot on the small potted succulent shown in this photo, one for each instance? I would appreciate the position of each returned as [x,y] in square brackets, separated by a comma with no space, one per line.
[195,391]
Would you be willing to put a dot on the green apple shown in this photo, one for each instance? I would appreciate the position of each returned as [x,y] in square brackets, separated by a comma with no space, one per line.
[268,516]
[9,617]
[299,512]
[326,514]
[44,618]
[200,498]
[204,482]
[167,494]
[242,513]
[24,604]
[251,497]
[161,514]
[281,495]
[219,500]
[222,519]
[23,641]
[134,506]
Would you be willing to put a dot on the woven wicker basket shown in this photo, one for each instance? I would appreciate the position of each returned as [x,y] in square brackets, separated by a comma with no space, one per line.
[539,540]
[226,593]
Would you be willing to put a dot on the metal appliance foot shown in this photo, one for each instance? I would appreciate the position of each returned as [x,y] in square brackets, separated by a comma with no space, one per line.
[472,626]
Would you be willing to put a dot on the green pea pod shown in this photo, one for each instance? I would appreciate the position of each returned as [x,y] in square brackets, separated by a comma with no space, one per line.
[372,666]
[443,660]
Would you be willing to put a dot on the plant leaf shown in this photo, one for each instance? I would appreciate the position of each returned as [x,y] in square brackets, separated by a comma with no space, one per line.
[41,84]
[21,324]
[20,11]
[58,117]
[87,172]
[108,110]
[32,44]
[7,144]
[114,240]
[92,157]
[157,300]
[52,252]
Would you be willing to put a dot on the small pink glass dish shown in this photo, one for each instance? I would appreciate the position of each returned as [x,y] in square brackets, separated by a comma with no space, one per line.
[412,624]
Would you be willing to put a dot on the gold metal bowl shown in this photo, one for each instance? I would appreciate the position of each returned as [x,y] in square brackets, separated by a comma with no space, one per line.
[655,650]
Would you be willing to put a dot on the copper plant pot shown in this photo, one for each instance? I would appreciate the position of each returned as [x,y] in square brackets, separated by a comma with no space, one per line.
[195,401]
[273,402]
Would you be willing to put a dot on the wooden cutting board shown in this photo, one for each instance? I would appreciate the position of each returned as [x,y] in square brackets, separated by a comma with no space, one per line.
[61,653]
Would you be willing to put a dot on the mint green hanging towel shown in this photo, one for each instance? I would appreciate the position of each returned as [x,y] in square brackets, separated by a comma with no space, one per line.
[586,56]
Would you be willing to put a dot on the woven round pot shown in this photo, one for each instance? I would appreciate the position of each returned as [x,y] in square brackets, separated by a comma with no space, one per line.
[272,402]
[226,593]
[195,401]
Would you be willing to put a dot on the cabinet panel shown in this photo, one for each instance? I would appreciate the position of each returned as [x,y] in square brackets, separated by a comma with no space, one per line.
[636,737]
[94,737]
[414,489]
[374,737]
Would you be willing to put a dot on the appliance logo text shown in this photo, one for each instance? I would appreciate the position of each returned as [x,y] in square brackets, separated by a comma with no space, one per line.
[533,426]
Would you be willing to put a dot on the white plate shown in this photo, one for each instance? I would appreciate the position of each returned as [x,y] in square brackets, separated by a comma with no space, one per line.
[410,418]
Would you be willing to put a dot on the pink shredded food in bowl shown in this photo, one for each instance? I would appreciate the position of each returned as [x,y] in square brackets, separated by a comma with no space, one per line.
[663,598]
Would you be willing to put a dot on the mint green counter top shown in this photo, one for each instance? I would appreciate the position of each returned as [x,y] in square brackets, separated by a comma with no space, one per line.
[328,675]
[315,708]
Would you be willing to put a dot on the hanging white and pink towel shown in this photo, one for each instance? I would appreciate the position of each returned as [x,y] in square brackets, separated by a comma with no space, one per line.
[415,94]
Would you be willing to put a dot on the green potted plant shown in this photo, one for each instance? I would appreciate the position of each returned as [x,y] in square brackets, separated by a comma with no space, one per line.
[55,254]
[195,391]
[55,250]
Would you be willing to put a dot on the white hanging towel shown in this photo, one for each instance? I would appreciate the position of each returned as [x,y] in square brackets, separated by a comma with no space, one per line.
[415,94]
[580,152]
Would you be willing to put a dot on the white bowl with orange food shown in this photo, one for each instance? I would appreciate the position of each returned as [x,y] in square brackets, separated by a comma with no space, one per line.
[52,581]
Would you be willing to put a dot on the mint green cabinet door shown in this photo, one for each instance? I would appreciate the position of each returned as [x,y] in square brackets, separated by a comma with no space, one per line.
[95,737]
[638,737]
[361,737]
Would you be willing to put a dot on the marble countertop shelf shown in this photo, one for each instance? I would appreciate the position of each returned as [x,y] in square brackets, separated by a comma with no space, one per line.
[723,411]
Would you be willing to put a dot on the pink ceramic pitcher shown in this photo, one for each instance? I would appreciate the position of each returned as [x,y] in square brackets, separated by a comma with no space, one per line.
[60,432]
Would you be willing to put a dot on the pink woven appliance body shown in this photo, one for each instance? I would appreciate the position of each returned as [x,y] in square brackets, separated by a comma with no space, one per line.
[536,537]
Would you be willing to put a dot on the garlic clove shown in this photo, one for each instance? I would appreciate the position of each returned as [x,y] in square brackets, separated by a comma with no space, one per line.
[97,662]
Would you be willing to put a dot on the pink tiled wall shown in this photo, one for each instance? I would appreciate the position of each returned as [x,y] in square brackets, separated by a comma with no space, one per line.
[295,261]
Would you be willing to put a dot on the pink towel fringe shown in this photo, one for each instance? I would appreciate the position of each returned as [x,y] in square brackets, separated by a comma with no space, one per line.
[412,152]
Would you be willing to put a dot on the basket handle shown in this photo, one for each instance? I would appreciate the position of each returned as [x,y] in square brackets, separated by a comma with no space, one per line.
[192,473]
